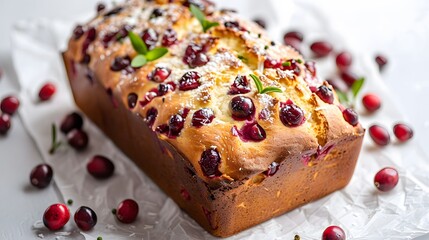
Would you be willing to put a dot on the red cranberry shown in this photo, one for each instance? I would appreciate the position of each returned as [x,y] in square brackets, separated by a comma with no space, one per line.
[47,91]
[56,216]
[386,179]
[257,133]
[272,169]
[78,139]
[232,25]
[150,37]
[343,60]
[202,117]
[291,115]
[132,100]
[325,94]
[100,7]
[351,116]
[403,132]
[379,134]
[100,167]
[291,65]
[250,131]
[159,74]
[348,77]
[295,35]
[169,38]
[272,63]
[189,81]
[210,160]
[149,96]
[242,107]
[261,22]
[41,175]
[241,85]
[151,115]
[371,102]
[311,67]
[176,124]
[113,12]
[85,218]
[195,56]
[321,48]
[127,211]
[381,61]
[4,123]
[157,12]
[78,32]
[120,63]
[164,88]
[72,121]
[9,105]
[334,233]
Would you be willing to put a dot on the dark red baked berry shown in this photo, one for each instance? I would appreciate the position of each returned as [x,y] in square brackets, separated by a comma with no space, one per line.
[381,61]
[47,91]
[379,134]
[176,124]
[325,94]
[321,48]
[295,35]
[56,216]
[202,117]
[150,37]
[85,218]
[351,116]
[4,123]
[72,121]
[41,175]
[9,105]
[113,12]
[242,108]
[78,32]
[240,85]
[151,115]
[159,74]
[209,162]
[348,77]
[78,139]
[403,132]
[371,102]
[386,179]
[343,60]
[291,115]
[189,81]
[127,211]
[195,56]
[169,38]
[132,100]
[334,233]
[120,63]
[100,167]
[272,63]
[272,169]
[100,7]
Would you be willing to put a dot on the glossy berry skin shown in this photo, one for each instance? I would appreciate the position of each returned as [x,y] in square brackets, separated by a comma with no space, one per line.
[371,102]
[291,115]
[381,61]
[386,179]
[159,74]
[379,134]
[343,60]
[325,94]
[78,32]
[348,78]
[351,116]
[403,132]
[202,117]
[209,162]
[189,81]
[85,218]
[272,169]
[321,48]
[72,121]
[150,37]
[56,216]
[151,115]
[240,85]
[295,35]
[176,124]
[132,100]
[4,123]
[241,108]
[127,211]
[9,105]
[334,233]
[41,175]
[120,63]
[100,167]
[47,91]
[78,139]
[169,38]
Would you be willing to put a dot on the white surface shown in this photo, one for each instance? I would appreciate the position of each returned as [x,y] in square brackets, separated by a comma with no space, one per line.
[20,216]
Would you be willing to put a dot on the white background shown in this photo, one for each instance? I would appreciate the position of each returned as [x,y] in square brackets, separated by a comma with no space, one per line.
[399,29]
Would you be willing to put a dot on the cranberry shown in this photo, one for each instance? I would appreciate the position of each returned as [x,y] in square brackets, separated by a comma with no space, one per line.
[151,115]
[159,74]
[91,35]
[164,88]
[132,100]
[163,128]
[379,134]
[291,65]
[4,123]
[56,216]
[381,61]
[113,12]
[195,56]
[189,81]
[261,22]
[169,38]
[343,60]
[351,116]
[100,7]
[78,139]
[176,124]
[202,117]
[371,102]
[150,37]
[386,179]
[157,12]
[325,94]
[272,63]
[272,169]
[41,175]
[209,162]
[403,132]
[85,218]
[311,67]
[78,32]
[123,32]
[348,77]
[149,96]
[232,24]
[241,85]
[100,167]
[120,63]
[334,233]
[72,121]
[242,107]
[9,105]
[47,91]
[127,211]
[291,115]
[295,35]
[251,131]
[321,48]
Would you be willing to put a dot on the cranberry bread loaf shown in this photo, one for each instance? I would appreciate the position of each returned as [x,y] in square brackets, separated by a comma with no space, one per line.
[230,152]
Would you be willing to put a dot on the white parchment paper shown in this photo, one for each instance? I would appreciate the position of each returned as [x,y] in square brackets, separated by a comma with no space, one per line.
[359,209]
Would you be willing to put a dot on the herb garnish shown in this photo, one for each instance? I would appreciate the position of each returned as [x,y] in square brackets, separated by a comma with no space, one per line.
[144,55]
[70,202]
[349,98]
[54,145]
[206,24]
[261,89]
[243,58]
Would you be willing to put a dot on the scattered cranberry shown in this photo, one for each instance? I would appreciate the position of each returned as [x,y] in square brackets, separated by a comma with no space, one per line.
[100,7]
[257,133]
[189,81]
[321,48]
[78,139]
[210,160]
[169,38]
[4,123]
[241,85]
[85,218]
[157,12]
[334,233]
[195,56]
[47,91]
[150,37]
[311,67]
[202,117]
[159,74]
[348,77]
[151,115]
[100,167]
[72,121]
[120,63]
[386,179]
[343,60]
[272,169]
[403,132]
[379,134]
[132,100]
[78,32]
[381,61]
[371,102]
[291,65]
[261,22]
[242,107]
[272,63]
[41,175]
[291,115]
[127,211]
[9,105]
[293,35]
[325,94]
[56,216]
[250,131]
[176,124]
[351,116]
